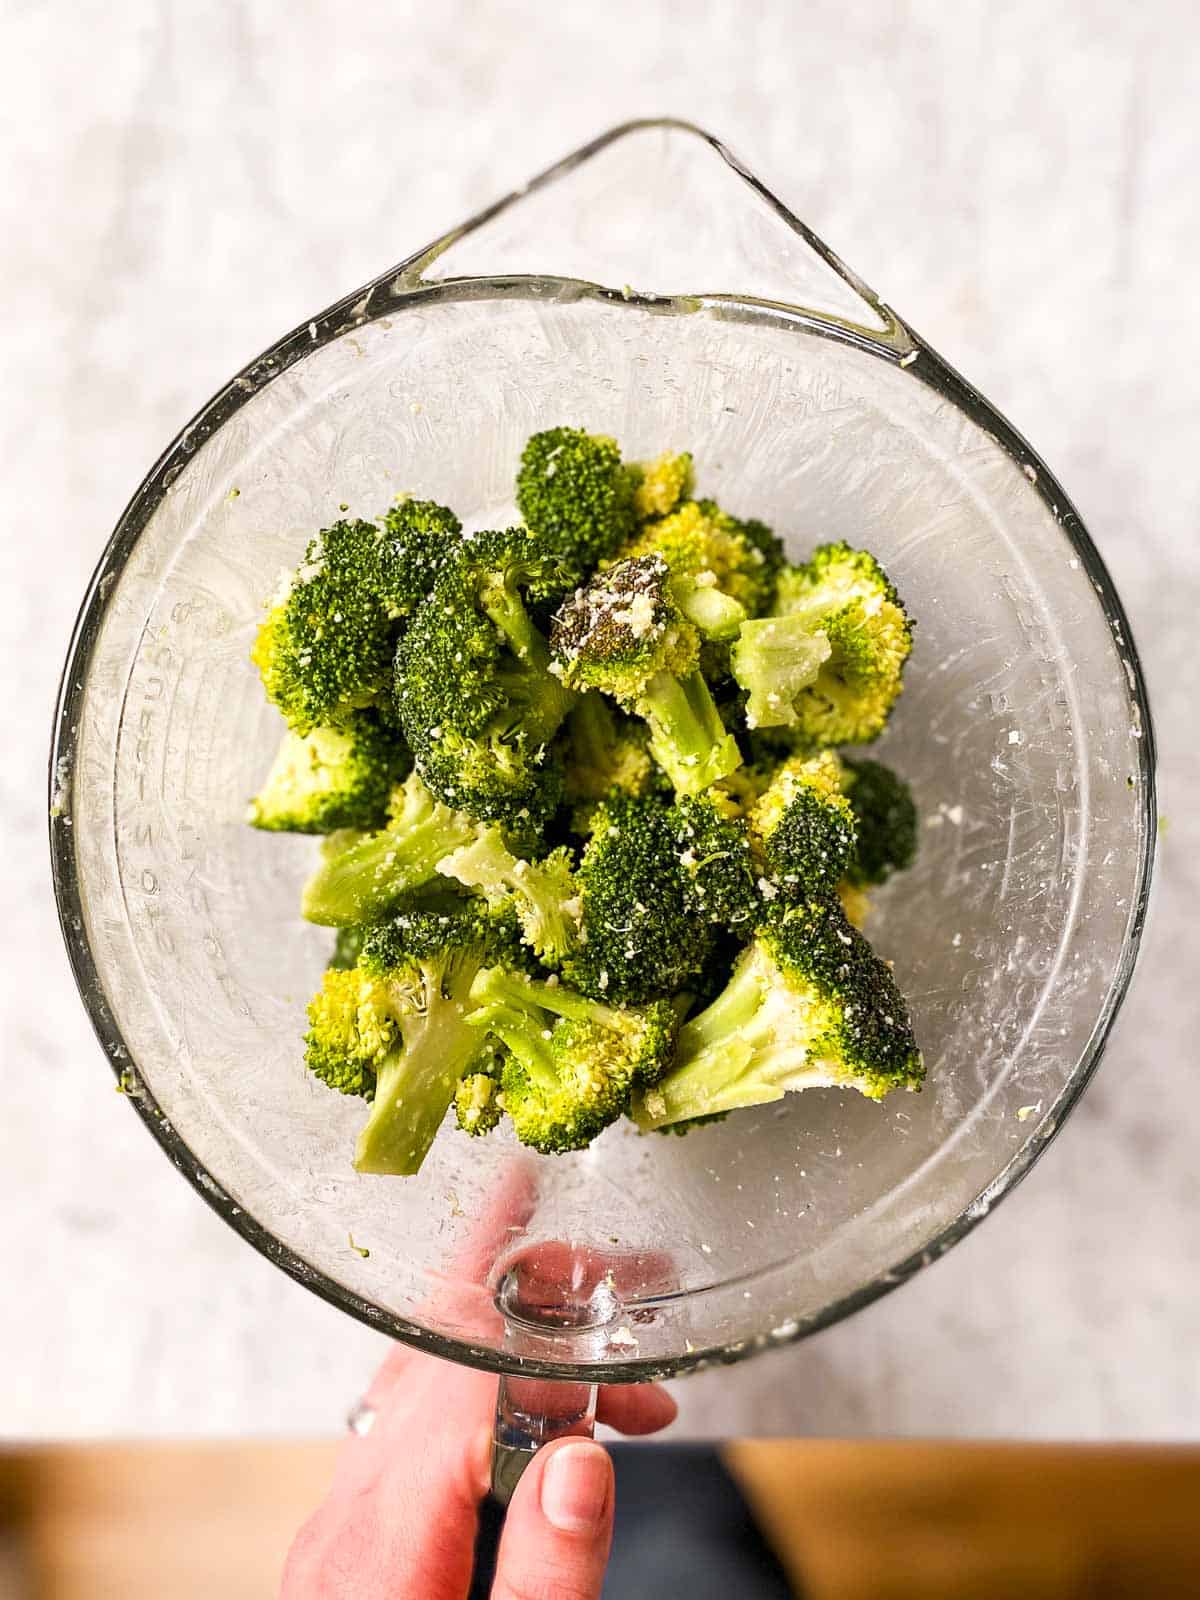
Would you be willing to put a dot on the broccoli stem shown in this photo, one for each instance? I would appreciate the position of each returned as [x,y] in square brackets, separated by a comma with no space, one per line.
[544,700]
[515,992]
[687,737]
[593,733]
[362,876]
[524,1034]
[717,615]
[416,1084]
[510,616]
[774,659]
[739,1051]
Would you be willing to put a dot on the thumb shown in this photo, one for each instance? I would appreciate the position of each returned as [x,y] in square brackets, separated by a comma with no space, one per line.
[559,1525]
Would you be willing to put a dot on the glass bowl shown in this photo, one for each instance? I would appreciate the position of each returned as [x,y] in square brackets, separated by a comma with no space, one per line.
[650,288]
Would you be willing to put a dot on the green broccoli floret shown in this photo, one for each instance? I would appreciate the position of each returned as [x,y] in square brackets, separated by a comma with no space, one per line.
[331,778]
[394,1028]
[661,484]
[419,538]
[476,699]
[886,818]
[742,560]
[828,663]
[362,877]
[803,827]
[572,1062]
[325,649]
[641,934]
[325,646]
[714,853]
[477,1106]
[542,893]
[626,635]
[576,497]
[809,1005]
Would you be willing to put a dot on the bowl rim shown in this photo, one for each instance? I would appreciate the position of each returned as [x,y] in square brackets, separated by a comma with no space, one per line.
[401,287]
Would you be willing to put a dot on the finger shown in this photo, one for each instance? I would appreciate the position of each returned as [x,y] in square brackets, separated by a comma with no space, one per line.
[559,1526]
[635,1407]
[401,1517]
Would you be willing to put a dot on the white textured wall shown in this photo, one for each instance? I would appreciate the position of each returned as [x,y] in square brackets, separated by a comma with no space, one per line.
[183,181]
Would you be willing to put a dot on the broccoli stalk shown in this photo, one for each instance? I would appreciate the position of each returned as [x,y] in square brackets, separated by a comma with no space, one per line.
[687,737]
[572,1062]
[363,876]
[417,1079]
[809,1005]
[774,659]
[394,1028]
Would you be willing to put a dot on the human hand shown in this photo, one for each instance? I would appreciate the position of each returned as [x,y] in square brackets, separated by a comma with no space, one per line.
[399,1520]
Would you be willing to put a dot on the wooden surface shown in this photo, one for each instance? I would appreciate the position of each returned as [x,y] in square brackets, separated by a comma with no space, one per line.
[851,1521]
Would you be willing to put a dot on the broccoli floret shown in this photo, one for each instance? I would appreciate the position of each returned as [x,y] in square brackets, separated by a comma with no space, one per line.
[661,484]
[394,1027]
[477,1106]
[576,497]
[331,778]
[325,645]
[742,559]
[842,599]
[419,538]
[477,702]
[325,649]
[572,1062]
[809,1005]
[886,818]
[803,828]
[626,635]
[361,877]
[542,893]
[714,854]
[641,936]
[347,947]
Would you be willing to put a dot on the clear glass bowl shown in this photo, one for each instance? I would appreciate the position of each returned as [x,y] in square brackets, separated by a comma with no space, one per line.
[1024,728]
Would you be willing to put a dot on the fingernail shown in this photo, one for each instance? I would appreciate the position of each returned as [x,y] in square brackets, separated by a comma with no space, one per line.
[575,1485]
